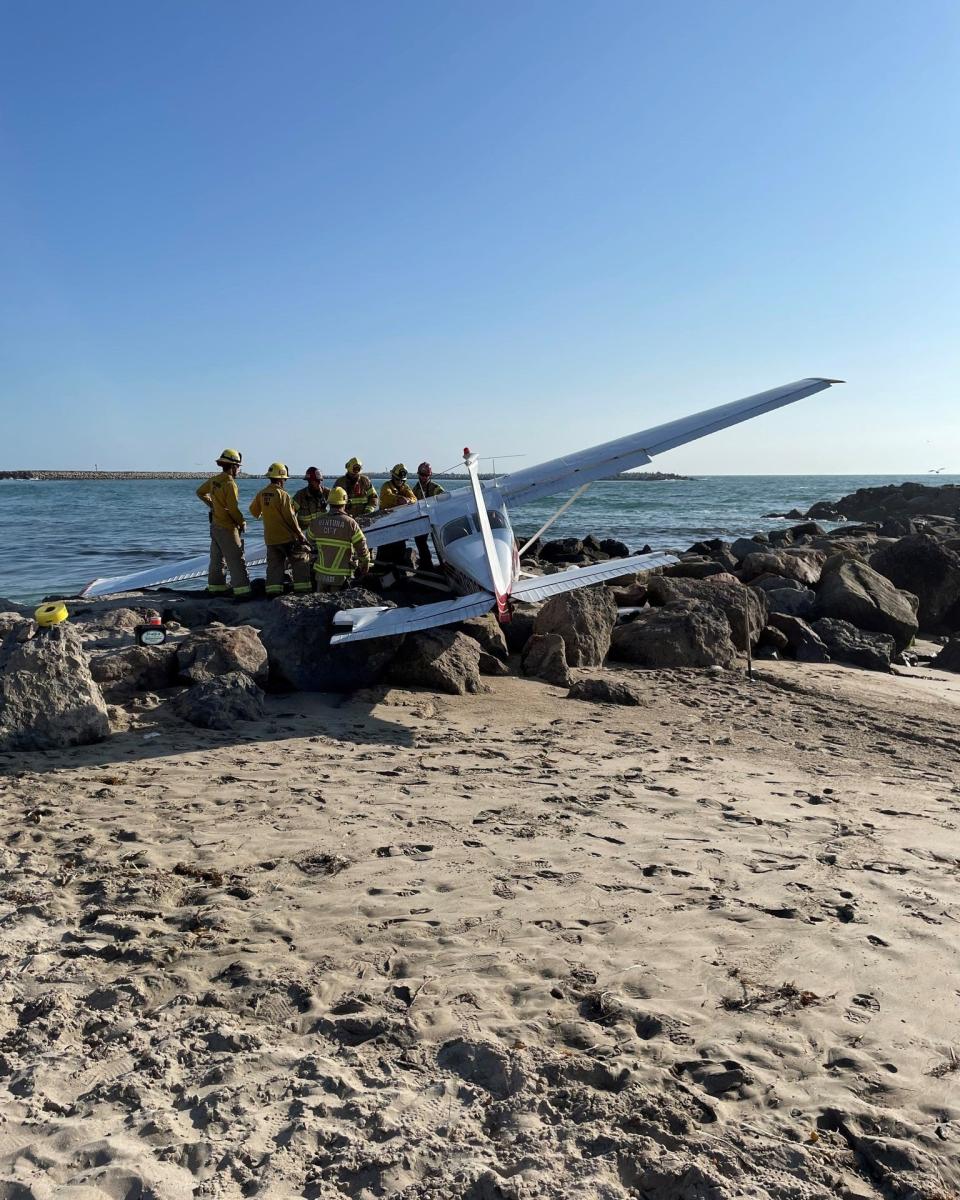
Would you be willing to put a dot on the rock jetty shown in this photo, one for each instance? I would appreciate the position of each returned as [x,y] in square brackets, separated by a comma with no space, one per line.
[854,595]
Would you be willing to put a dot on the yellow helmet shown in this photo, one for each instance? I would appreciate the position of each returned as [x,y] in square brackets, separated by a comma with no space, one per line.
[398,472]
[50,614]
[354,462]
[337,497]
[231,456]
[277,470]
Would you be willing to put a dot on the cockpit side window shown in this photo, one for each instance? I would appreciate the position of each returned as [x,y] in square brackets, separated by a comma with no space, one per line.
[497,519]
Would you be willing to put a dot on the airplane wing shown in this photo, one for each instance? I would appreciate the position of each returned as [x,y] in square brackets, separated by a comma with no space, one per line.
[639,448]
[409,521]
[387,622]
[542,587]
[175,572]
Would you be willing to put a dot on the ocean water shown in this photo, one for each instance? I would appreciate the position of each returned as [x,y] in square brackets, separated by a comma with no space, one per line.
[57,536]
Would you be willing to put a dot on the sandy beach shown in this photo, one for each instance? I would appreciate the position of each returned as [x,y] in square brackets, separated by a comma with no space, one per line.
[502,945]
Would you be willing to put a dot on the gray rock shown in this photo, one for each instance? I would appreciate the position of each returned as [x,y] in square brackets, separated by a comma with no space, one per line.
[684,633]
[805,645]
[561,550]
[699,568]
[741,605]
[605,691]
[846,643]
[585,620]
[717,550]
[296,633]
[792,601]
[134,669]
[774,639]
[801,564]
[743,547]
[10,621]
[219,702]
[489,664]
[922,565]
[520,626]
[775,583]
[218,650]
[440,659]
[544,657]
[48,698]
[488,632]
[949,657]
[854,592]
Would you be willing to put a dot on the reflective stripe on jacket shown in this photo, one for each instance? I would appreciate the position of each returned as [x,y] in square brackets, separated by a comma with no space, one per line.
[280,522]
[337,539]
[223,494]
[393,494]
[308,504]
[361,494]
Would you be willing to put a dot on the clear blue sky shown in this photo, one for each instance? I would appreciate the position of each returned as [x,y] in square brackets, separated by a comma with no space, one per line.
[317,229]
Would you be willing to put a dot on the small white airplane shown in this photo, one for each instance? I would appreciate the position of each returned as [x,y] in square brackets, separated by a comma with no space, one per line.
[472,532]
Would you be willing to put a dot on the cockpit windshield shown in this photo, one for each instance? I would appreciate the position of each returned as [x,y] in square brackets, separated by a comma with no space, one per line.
[463,526]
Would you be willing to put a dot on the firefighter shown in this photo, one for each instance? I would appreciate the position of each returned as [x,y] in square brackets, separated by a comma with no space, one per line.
[221,496]
[396,490]
[311,500]
[394,493]
[338,542]
[423,489]
[361,494]
[281,532]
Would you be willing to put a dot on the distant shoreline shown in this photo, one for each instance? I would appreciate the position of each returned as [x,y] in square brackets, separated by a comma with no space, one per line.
[68,476]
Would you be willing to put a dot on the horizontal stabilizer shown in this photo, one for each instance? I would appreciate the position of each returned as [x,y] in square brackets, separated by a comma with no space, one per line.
[389,622]
[636,449]
[542,587]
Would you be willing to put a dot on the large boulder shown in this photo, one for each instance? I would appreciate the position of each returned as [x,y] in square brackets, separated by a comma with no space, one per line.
[296,633]
[776,583]
[219,702]
[443,660]
[743,547]
[584,619]
[743,607]
[220,649]
[920,564]
[562,550]
[544,657]
[684,633]
[694,568]
[795,602]
[845,643]
[717,550]
[598,690]
[949,657]
[804,644]
[520,626]
[489,633]
[802,564]
[135,669]
[48,698]
[853,591]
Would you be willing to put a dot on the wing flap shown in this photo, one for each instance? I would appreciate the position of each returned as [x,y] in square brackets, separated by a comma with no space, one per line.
[637,449]
[545,586]
[389,622]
